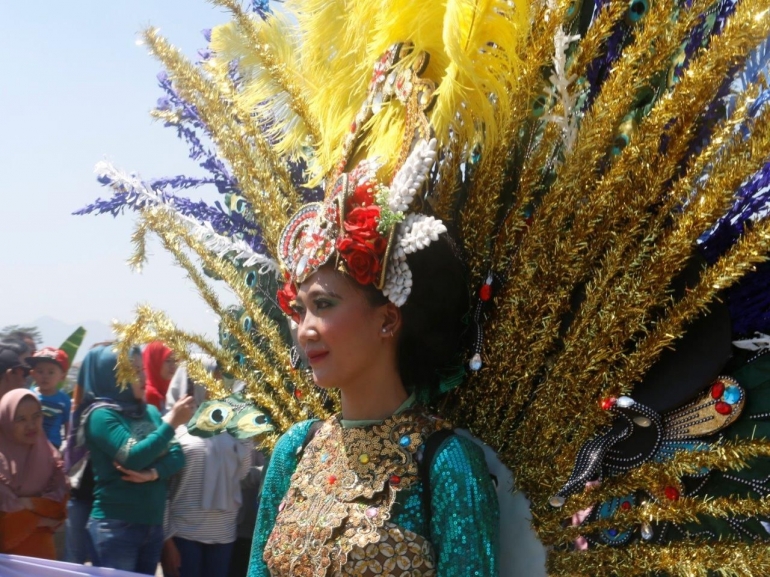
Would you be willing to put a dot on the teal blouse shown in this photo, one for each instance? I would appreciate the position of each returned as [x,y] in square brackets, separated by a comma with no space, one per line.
[136,444]
[463,525]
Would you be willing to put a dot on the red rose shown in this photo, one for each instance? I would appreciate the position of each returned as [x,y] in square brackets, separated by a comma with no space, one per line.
[363,195]
[286,297]
[363,263]
[361,223]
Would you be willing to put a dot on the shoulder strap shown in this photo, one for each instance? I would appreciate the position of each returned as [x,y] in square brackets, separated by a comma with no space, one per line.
[430,447]
[312,430]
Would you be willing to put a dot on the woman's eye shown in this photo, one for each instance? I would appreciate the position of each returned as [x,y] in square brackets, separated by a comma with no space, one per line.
[322,304]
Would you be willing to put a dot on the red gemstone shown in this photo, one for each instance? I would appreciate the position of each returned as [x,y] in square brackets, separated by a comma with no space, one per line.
[332,479]
[608,402]
[717,389]
[485,293]
[672,493]
[723,408]
[395,479]
[297,394]
[625,505]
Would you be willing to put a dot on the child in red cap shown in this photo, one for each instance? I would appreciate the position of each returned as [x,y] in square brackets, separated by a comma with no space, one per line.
[49,367]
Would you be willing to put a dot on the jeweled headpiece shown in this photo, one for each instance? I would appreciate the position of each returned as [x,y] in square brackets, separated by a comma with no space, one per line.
[371,225]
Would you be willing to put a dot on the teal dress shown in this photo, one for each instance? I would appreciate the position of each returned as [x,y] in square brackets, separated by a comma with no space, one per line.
[352,502]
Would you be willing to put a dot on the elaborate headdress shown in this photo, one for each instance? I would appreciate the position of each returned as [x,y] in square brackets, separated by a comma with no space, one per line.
[584,152]
[371,226]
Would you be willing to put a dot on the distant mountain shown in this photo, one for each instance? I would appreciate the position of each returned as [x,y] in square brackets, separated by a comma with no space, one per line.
[55,332]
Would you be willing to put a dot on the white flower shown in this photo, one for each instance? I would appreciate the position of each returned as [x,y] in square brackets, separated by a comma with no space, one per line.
[418,231]
[410,177]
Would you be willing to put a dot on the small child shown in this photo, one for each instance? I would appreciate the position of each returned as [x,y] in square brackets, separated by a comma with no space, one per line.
[49,367]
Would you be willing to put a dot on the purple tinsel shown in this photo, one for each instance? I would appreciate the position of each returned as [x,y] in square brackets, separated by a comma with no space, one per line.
[749,300]
[261,7]
[223,222]
[599,68]
[751,199]
[173,101]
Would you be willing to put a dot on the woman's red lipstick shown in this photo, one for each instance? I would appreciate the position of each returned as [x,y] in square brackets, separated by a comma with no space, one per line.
[315,356]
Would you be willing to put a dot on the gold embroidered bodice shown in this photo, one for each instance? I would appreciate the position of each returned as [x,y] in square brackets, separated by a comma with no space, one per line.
[334,519]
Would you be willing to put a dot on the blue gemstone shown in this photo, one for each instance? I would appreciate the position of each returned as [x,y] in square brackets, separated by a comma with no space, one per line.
[324,457]
[731,395]
[405,441]
[612,532]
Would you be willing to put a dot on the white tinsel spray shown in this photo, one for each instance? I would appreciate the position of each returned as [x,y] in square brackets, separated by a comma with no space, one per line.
[559,90]
[141,196]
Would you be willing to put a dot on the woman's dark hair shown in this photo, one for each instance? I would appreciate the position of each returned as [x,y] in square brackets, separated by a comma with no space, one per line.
[433,317]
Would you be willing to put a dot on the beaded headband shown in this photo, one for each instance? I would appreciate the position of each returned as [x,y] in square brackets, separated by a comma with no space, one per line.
[371,226]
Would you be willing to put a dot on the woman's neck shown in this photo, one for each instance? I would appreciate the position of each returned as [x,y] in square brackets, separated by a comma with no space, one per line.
[373,402]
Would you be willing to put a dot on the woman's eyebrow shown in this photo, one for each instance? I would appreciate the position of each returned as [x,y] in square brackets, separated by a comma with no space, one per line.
[322,292]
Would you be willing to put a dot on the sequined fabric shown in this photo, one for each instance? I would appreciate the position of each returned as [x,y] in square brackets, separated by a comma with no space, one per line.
[398,552]
[357,537]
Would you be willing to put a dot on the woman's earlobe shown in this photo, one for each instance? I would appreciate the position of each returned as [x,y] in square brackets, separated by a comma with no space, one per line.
[391,321]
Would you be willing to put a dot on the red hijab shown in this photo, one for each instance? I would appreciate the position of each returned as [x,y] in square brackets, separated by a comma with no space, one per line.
[154,355]
[26,470]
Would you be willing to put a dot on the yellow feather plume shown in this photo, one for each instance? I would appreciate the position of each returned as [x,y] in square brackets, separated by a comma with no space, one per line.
[474,55]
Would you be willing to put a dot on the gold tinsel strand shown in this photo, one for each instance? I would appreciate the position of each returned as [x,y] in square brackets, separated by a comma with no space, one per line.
[476,240]
[653,478]
[624,308]
[254,178]
[479,215]
[685,559]
[151,325]
[643,287]
[448,183]
[548,262]
[751,249]
[542,156]
[278,365]
[594,43]
[541,242]
[170,232]
[220,75]
[681,512]
[593,140]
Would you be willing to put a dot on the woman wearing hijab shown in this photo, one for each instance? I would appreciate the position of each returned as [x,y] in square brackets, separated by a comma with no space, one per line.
[204,499]
[132,455]
[159,367]
[77,462]
[33,489]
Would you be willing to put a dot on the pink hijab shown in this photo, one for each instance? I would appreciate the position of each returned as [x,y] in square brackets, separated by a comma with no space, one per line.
[26,470]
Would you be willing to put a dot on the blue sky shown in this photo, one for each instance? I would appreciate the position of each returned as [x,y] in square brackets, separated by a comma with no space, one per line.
[76,89]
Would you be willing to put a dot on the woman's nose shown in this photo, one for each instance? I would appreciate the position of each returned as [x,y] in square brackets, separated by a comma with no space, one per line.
[307,329]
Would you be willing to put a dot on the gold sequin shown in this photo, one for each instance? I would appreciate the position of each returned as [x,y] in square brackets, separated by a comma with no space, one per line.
[323,524]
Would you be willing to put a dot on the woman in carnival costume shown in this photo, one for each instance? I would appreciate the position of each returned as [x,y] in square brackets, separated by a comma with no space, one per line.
[379,487]
[603,168]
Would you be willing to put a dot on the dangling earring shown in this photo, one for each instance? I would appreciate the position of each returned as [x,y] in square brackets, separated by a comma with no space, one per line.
[294,357]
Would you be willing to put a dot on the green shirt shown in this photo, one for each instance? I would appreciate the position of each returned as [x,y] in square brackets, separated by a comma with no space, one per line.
[137,444]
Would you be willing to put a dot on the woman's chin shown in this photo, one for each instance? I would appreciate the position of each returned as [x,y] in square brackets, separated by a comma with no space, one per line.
[321,380]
